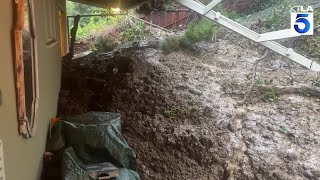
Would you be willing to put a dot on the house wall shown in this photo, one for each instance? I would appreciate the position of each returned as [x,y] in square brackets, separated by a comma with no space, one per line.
[23,157]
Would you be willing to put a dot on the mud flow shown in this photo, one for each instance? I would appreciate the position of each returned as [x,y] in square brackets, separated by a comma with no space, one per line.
[181,112]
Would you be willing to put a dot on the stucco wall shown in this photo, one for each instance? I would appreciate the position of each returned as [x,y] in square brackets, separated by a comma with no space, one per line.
[23,158]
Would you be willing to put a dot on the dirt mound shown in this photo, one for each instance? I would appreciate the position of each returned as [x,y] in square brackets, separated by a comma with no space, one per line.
[181,114]
[171,133]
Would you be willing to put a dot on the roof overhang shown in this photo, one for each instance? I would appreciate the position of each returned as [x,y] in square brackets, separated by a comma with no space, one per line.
[124,4]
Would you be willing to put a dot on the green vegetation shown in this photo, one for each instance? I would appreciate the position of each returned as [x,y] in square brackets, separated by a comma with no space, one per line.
[196,32]
[260,5]
[279,19]
[276,16]
[272,96]
[201,31]
[120,34]
[136,31]
[261,82]
[104,33]
[77,9]
[93,26]
[90,25]
[311,44]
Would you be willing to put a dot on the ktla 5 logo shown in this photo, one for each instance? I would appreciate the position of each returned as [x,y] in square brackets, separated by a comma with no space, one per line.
[302,20]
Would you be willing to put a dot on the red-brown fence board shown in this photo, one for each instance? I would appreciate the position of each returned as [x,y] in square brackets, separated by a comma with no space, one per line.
[171,19]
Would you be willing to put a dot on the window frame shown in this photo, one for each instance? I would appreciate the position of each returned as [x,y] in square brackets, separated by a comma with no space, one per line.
[63,32]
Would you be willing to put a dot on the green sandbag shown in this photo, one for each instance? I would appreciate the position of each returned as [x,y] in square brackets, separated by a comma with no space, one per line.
[93,137]
[72,169]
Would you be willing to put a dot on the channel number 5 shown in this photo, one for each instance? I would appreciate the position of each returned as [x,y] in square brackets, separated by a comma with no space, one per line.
[302,19]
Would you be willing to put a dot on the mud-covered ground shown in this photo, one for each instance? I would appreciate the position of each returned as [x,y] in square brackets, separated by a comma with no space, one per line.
[184,116]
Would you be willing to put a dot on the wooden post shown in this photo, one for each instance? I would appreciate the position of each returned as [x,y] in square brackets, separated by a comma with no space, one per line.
[26,126]
[73,35]
[18,19]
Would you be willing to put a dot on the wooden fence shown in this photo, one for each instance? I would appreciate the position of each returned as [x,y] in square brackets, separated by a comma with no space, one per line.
[171,20]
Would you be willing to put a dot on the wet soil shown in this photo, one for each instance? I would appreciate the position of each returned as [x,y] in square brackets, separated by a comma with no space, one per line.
[181,112]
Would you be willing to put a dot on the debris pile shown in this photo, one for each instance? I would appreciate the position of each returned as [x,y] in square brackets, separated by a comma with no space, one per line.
[181,113]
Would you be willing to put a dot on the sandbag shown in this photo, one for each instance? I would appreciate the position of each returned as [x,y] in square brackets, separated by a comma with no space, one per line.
[89,138]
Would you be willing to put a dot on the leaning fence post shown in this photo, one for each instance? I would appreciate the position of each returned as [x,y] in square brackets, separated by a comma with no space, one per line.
[73,33]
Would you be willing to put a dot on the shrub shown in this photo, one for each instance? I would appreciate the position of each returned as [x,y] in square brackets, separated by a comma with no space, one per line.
[104,44]
[200,31]
[196,32]
[136,32]
[95,25]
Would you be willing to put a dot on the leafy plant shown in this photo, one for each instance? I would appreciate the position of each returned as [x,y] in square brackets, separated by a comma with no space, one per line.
[90,25]
[200,31]
[137,31]
[260,82]
[196,32]
[272,96]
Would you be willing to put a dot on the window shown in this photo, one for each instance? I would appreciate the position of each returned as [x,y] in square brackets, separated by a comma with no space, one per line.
[25,66]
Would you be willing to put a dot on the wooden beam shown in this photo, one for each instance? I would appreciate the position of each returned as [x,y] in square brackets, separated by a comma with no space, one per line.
[26,124]
[18,19]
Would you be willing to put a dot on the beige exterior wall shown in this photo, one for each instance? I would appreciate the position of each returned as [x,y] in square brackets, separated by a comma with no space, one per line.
[23,157]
